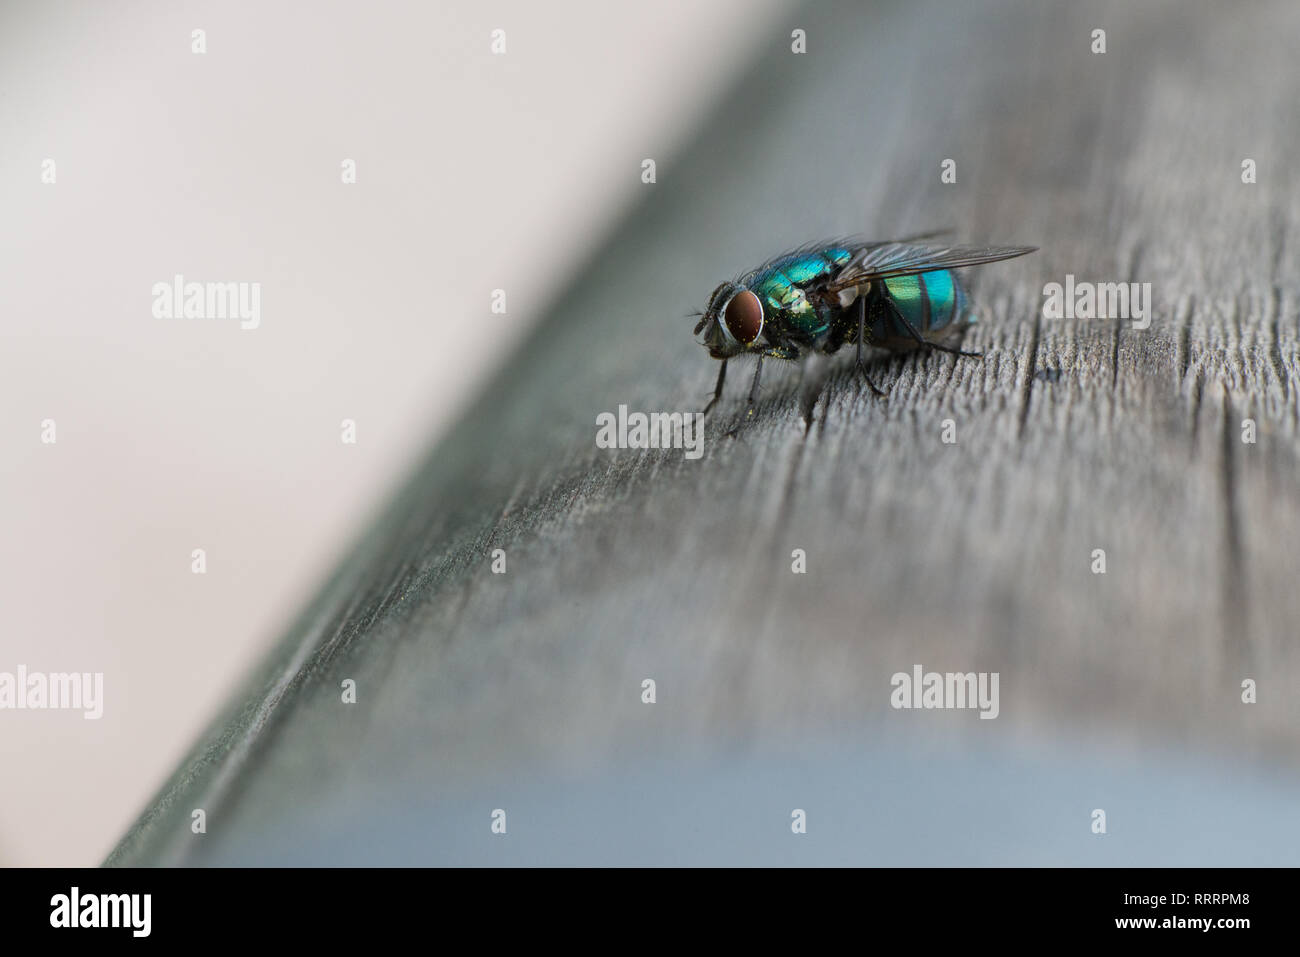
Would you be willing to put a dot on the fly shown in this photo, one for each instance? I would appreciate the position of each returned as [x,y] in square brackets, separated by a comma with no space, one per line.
[898,295]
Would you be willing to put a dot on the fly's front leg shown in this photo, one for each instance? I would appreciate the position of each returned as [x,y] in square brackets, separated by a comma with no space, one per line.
[753,398]
[753,389]
[811,384]
[717,389]
[779,350]
[862,330]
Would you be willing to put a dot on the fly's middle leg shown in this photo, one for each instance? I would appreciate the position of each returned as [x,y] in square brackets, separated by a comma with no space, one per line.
[861,363]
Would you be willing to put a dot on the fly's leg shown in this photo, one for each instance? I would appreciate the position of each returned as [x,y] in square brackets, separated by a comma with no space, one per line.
[927,344]
[753,398]
[811,385]
[753,389]
[862,328]
[717,389]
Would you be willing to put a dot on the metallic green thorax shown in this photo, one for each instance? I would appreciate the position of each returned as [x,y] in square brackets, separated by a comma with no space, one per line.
[779,287]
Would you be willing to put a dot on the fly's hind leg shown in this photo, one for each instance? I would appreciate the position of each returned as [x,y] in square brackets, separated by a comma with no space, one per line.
[952,350]
[926,344]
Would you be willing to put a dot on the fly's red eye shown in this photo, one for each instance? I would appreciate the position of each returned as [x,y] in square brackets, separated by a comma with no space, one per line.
[744,316]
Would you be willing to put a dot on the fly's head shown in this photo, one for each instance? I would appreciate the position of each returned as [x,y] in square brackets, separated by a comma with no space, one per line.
[732,322]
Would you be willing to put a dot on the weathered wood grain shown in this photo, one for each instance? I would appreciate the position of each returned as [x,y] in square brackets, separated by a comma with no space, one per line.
[479,690]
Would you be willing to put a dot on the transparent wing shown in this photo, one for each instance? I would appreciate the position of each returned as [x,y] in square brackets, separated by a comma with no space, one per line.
[855,243]
[887,260]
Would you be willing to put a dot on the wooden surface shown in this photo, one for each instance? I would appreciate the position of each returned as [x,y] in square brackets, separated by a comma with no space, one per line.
[523,691]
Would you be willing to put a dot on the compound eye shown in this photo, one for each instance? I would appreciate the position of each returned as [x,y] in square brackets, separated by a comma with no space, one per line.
[744,316]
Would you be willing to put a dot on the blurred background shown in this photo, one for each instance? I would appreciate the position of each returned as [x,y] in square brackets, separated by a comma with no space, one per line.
[473,172]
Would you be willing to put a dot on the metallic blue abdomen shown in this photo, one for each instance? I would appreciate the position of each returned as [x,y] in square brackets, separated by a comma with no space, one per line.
[930,301]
